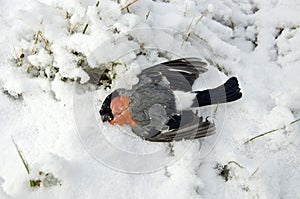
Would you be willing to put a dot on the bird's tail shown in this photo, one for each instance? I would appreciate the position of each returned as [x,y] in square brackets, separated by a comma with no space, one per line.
[227,92]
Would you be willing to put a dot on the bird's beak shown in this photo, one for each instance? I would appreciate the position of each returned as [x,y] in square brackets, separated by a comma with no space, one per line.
[112,122]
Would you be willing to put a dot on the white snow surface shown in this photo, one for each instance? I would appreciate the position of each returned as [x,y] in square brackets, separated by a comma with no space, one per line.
[256,41]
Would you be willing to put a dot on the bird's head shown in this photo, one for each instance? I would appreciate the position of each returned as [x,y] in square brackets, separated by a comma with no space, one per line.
[115,111]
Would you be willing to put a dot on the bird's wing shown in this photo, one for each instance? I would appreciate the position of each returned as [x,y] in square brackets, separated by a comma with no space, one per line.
[186,126]
[180,73]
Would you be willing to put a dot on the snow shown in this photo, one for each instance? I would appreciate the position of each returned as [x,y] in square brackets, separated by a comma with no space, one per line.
[53,116]
[210,7]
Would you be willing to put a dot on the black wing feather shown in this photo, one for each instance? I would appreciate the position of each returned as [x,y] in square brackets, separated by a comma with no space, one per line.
[180,73]
[190,127]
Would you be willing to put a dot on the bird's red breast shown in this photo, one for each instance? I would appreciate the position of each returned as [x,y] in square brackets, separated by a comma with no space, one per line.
[119,106]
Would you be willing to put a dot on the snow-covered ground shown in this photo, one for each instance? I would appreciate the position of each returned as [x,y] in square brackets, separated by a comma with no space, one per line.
[50,109]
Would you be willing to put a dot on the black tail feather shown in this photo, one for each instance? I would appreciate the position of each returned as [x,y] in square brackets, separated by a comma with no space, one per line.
[227,92]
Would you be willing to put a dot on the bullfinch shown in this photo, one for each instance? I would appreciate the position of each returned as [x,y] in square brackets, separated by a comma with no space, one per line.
[159,107]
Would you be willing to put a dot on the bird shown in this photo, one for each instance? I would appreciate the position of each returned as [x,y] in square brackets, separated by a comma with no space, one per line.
[159,108]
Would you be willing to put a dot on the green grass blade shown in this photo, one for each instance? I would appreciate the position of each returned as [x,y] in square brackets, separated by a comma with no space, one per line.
[22,157]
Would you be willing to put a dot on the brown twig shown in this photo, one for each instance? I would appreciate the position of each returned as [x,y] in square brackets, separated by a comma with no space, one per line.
[187,33]
[33,51]
[128,4]
[237,164]
[203,14]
